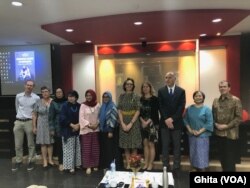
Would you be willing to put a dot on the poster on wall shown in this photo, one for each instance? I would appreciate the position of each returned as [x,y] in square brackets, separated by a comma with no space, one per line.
[25,65]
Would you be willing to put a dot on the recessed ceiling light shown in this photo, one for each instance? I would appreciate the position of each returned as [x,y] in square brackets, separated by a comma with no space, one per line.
[88,41]
[143,38]
[203,35]
[218,34]
[69,30]
[216,20]
[17,3]
[137,23]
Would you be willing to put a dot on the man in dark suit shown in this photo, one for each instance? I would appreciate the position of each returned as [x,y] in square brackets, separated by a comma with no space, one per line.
[172,101]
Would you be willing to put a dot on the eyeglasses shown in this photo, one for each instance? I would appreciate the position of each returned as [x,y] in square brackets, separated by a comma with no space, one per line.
[105,97]
[129,84]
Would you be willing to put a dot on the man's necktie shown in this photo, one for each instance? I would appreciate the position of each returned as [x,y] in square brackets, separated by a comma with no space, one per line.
[170,92]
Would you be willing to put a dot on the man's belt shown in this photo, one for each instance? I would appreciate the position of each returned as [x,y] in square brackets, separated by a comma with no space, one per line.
[26,119]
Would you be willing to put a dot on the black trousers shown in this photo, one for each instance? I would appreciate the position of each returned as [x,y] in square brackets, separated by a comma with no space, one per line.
[168,136]
[227,150]
[107,150]
[57,150]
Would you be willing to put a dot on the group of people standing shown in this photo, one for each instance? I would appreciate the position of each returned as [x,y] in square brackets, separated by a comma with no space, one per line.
[78,131]
[84,134]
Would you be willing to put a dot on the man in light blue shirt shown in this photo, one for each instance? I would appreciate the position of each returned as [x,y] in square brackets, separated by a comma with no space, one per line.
[25,103]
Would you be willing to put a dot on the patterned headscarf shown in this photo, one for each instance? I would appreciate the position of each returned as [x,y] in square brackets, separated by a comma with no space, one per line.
[108,113]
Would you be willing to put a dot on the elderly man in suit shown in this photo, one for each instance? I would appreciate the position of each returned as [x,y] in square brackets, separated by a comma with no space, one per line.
[172,101]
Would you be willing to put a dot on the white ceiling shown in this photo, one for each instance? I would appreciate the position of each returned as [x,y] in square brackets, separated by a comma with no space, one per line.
[22,25]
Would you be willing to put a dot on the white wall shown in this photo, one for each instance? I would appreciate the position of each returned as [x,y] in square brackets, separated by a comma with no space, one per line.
[83,73]
[212,71]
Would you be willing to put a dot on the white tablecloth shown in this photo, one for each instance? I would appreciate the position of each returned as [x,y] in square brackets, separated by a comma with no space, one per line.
[126,177]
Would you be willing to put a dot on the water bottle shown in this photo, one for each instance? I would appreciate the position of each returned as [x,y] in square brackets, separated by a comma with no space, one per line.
[165,178]
[112,168]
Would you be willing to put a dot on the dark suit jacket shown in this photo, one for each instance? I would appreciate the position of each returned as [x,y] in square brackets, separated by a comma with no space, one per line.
[172,106]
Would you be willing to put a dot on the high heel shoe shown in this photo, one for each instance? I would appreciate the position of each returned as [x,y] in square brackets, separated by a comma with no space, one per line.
[150,167]
[51,164]
[145,167]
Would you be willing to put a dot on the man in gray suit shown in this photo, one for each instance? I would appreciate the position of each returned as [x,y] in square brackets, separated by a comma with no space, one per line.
[172,101]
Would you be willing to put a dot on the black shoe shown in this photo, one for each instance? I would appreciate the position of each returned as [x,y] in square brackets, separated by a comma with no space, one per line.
[30,166]
[78,168]
[16,166]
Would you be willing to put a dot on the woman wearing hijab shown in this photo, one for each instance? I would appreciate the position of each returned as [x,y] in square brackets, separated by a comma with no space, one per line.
[108,117]
[89,129]
[55,129]
[69,122]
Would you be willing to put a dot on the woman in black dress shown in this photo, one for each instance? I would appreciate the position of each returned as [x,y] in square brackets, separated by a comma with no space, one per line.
[149,118]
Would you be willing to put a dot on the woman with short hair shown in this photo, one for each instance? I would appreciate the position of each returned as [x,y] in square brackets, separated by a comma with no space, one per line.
[69,121]
[41,127]
[129,111]
[198,120]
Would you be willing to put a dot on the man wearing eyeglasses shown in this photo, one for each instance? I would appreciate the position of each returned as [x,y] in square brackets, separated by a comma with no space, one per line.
[172,100]
[227,111]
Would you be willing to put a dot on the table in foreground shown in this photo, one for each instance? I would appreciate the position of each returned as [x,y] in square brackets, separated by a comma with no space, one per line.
[115,178]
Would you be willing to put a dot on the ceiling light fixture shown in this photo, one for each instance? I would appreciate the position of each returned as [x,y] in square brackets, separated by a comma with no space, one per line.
[203,35]
[218,34]
[217,20]
[143,38]
[17,3]
[69,30]
[137,23]
[88,41]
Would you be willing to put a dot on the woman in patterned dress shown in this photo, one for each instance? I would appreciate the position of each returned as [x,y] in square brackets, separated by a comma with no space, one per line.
[41,127]
[198,120]
[128,111]
[69,122]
